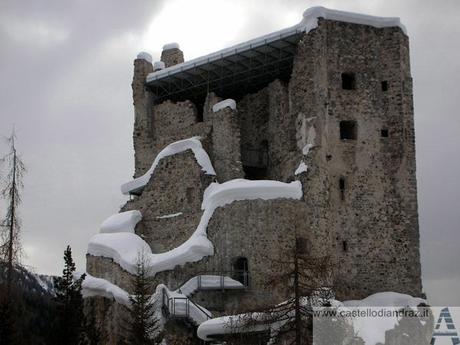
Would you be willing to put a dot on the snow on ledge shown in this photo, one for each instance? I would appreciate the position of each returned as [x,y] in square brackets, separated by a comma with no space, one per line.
[301,169]
[173,215]
[92,287]
[144,56]
[172,45]
[311,15]
[308,23]
[224,104]
[124,248]
[193,144]
[121,222]
[158,65]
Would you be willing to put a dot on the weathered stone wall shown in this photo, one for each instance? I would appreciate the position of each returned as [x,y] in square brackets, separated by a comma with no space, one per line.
[226,151]
[374,218]
[172,57]
[142,134]
[176,186]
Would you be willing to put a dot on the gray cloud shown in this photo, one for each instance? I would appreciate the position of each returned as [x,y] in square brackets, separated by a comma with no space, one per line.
[65,82]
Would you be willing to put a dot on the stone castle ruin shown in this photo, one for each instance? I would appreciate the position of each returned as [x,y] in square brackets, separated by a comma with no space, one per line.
[302,136]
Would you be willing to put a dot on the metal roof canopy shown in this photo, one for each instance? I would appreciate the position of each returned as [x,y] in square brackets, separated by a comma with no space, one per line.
[232,74]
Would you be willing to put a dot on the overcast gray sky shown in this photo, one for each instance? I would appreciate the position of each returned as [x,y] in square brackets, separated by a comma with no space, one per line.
[65,74]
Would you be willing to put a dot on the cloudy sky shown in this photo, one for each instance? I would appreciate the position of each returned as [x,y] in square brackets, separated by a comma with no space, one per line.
[65,74]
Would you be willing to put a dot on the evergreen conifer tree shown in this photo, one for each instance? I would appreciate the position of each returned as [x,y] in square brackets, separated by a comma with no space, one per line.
[70,319]
[142,322]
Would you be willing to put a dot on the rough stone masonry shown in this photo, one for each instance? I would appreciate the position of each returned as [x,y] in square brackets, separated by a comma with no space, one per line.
[347,100]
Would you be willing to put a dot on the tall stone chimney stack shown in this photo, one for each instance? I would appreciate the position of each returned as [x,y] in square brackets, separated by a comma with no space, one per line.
[172,55]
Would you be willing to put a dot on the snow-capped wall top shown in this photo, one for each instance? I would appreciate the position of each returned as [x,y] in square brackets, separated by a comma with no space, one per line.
[145,56]
[172,45]
[158,65]
[193,144]
[308,23]
[311,15]
[224,104]
[121,222]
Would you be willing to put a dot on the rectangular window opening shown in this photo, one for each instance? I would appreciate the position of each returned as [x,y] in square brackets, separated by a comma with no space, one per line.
[348,130]
[384,85]
[384,133]
[348,81]
[344,246]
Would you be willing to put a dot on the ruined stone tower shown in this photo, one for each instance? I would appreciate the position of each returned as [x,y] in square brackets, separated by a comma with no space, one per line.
[318,119]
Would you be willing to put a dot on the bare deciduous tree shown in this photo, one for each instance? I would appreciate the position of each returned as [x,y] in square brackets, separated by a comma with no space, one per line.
[10,246]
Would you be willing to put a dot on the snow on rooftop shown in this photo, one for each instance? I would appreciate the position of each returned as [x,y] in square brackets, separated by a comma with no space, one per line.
[145,56]
[172,45]
[124,248]
[121,222]
[193,144]
[308,23]
[224,104]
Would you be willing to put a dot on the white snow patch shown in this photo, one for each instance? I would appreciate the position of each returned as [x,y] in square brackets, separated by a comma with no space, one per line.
[224,104]
[123,248]
[301,168]
[193,144]
[306,149]
[158,65]
[172,45]
[372,330]
[308,23]
[209,282]
[145,56]
[386,299]
[311,15]
[121,222]
[169,215]
[92,286]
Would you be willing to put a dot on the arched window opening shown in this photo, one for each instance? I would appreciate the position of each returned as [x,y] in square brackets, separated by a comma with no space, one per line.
[241,270]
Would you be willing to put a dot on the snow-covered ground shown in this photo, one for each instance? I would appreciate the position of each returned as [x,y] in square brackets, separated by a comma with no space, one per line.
[371,330]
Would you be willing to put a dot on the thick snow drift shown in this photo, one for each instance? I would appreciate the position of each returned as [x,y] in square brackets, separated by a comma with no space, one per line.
[193,144]
[224,104]
[121,222]
[308,23]
[124,248]
[172,45]
[92,286]
[145,56]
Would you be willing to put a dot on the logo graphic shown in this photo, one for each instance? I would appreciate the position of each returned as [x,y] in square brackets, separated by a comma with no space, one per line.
[445,329]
